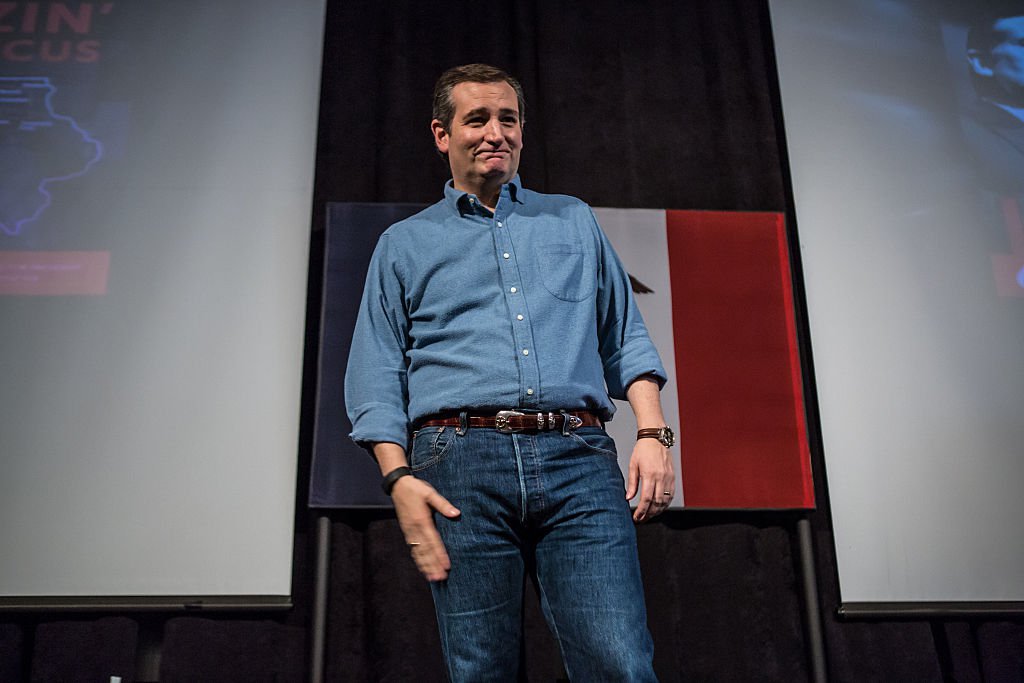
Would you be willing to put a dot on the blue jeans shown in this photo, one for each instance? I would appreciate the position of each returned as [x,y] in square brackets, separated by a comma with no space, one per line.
[554,501]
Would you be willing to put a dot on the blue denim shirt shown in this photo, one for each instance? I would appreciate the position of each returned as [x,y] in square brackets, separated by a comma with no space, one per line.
[463,309]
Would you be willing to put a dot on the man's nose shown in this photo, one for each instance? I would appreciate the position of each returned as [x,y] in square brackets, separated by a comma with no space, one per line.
[492,131]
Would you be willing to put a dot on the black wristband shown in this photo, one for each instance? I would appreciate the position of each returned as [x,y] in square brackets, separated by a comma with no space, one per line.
[393,476]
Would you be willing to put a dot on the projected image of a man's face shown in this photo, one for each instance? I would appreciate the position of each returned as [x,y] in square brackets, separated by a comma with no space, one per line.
[993,122]
[1008,55]
[1003,62]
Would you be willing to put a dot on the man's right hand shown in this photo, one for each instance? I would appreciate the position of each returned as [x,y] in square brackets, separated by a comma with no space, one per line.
[415,500]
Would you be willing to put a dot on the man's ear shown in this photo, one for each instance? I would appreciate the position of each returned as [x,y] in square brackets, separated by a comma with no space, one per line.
[440,136]
[977,60]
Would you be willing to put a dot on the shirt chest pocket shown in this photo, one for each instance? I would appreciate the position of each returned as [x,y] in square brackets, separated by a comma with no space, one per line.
[567,271]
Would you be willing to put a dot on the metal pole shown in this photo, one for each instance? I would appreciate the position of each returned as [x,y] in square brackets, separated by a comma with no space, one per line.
[812,611]
[323,573]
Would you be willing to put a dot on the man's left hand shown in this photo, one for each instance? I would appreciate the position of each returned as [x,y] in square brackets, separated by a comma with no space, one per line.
[650,473]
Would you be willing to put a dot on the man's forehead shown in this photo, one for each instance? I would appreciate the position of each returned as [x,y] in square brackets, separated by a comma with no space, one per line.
[472,95]
[504,111]
[1012,28]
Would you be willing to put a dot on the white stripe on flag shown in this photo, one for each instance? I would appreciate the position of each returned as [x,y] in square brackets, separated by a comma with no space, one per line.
[640,239]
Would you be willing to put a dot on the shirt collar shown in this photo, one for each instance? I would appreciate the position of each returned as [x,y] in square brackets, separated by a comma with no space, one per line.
[464,202]
[1016,112]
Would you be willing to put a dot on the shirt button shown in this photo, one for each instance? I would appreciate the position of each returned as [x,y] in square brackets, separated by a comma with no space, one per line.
[526,352]
[519,317]
[513,290]
[529,392]
[500,224]
[505,254]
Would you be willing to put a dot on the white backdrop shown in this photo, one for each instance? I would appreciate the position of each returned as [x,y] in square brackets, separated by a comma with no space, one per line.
[919,360]
[148,435]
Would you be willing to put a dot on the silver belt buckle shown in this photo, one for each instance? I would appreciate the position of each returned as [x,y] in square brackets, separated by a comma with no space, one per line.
[501,421]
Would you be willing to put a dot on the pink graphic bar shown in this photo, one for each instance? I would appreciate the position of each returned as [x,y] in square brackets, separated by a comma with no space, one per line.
[54,273]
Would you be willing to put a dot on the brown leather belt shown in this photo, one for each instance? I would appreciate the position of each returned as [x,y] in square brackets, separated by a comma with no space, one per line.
[508,421]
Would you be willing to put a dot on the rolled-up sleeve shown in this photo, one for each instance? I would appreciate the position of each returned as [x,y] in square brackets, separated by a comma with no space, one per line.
[626,349]
[376,387]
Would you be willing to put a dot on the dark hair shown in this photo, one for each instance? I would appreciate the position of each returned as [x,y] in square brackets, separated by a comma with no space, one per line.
[982,37]
[981,33]
[444,108]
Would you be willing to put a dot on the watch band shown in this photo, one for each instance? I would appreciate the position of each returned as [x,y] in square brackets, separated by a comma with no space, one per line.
[394,475]
[665,435]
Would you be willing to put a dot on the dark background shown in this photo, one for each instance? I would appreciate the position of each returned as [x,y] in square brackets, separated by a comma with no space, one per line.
[629,104]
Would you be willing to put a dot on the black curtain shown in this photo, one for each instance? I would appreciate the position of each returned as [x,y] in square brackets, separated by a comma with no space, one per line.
[629,104]
[651,104]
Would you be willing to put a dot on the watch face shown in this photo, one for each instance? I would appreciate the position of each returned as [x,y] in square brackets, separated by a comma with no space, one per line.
[668,437]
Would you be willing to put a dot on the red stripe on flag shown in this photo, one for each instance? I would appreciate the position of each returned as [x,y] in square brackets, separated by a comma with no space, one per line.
[742,423]
[799,411]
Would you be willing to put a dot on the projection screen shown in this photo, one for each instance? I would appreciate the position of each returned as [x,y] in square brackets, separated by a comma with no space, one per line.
[157,164]
[904,122]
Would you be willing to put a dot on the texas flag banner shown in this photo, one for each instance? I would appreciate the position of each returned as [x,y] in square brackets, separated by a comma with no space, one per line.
[715,291]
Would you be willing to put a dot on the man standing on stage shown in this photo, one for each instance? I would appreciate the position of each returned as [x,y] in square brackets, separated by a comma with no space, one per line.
[495,326]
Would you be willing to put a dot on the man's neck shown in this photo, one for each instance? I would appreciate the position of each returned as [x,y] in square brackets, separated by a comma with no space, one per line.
[487,192]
